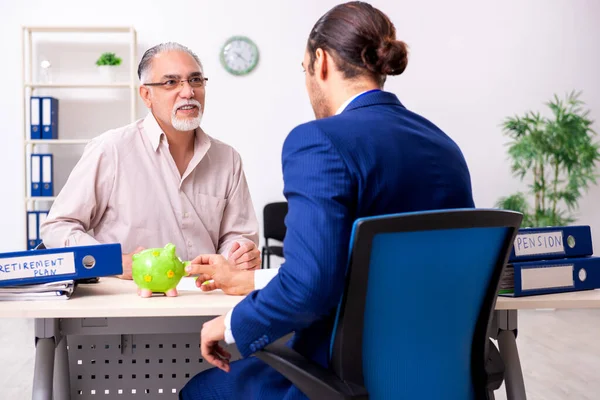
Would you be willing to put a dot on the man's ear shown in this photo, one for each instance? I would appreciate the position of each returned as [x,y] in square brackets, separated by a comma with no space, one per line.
[321,64]
[145,95]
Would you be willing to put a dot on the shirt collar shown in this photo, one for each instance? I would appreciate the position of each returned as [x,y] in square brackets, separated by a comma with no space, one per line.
[345,104]
[155,134]
[153,131]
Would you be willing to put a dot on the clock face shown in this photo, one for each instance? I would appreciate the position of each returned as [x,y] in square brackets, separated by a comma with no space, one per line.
[239,55]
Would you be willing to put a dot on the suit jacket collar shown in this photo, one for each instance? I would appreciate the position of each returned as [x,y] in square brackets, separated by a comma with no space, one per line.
[373,98]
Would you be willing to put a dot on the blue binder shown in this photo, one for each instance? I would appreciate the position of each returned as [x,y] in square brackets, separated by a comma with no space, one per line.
[42,216]
[550,276]
[49,118]
[33,229]
[67,263]
[47,175]
[35,117]
[36,174]
[552,243]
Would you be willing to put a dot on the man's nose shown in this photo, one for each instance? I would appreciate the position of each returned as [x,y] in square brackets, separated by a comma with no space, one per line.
[187,91]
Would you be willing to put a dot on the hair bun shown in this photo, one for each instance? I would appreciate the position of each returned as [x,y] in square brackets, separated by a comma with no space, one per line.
[392,57]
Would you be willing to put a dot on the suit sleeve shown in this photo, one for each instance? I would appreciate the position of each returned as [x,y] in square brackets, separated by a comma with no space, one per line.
[320,195]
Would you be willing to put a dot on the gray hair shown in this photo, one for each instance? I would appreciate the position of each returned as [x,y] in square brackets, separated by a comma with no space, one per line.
[146,60]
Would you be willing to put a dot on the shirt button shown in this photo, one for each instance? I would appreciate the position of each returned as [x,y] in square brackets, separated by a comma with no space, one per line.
[186,214]
[189,243]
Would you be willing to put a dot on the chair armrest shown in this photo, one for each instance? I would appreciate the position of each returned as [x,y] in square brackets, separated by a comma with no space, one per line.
[312,379]
[494,367]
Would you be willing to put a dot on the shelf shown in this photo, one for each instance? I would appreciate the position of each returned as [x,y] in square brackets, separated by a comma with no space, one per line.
[40,198]
[70,29]
[58,141]
[126,85]
[80,85]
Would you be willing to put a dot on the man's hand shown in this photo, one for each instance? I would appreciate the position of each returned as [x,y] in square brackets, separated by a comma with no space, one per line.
[245,255]
[127,261]
[223,273]
[212,332]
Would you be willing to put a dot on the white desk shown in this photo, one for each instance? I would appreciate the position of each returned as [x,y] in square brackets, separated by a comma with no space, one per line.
[505,329]
[119,299]
[105,322]
[584,299]
[113,307]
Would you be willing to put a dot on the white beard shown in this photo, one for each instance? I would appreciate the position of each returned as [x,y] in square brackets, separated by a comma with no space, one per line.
[186,124]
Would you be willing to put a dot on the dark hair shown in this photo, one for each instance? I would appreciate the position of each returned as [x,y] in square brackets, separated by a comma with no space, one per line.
[362,40]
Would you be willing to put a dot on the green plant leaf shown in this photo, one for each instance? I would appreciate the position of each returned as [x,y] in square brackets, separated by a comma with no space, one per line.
[108,59]
[557,155]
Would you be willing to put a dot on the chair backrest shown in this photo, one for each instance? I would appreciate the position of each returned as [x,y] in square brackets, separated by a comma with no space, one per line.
[419,295]
[274,220]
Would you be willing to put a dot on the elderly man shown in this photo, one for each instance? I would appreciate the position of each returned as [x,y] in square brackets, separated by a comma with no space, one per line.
[160,179]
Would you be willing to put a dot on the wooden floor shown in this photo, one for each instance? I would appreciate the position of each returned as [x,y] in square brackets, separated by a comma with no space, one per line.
[560,355]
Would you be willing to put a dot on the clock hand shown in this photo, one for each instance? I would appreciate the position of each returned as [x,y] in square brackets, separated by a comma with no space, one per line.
[239,55]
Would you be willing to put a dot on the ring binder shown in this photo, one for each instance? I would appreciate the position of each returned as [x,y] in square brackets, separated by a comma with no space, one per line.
[52,265]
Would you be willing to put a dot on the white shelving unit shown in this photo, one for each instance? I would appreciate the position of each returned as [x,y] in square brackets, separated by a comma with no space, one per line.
[77,85]
[30,87]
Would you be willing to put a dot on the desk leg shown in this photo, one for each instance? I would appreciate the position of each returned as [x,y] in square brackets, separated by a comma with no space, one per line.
[507,342]
[47,340]
[44,369]
[62,386]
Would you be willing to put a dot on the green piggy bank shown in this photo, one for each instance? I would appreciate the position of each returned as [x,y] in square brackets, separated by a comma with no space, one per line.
[157,271]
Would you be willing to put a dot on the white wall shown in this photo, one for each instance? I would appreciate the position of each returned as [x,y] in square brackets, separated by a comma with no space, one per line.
[472,64]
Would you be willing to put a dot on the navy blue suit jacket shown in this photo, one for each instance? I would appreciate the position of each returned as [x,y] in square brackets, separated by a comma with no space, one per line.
[374,158]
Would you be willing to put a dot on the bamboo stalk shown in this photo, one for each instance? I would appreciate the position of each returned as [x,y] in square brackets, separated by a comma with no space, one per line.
[537,194]
[542,185]
[555,189]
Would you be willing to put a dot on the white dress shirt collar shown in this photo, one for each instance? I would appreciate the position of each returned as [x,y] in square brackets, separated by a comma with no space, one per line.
[347,102]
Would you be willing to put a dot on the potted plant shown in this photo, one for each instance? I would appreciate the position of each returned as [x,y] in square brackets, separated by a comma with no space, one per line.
[557,155]
[107,64]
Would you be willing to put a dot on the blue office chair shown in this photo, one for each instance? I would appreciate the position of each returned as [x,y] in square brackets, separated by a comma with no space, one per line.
[413,320]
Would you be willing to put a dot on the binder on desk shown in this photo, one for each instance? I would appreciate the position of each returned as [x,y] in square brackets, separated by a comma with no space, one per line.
[552,243]
[36,175]
[49,118]
[35,114]
[67,263]
[61,290]
[550,276]
[33,229]
[47,175]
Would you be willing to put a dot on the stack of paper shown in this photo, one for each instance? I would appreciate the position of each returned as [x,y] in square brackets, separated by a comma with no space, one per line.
[61,290]
[507,283]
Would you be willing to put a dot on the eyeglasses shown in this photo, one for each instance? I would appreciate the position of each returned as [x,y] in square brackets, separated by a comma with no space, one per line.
[195,82]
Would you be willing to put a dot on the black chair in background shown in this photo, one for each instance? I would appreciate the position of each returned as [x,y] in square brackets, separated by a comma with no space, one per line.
[274,229]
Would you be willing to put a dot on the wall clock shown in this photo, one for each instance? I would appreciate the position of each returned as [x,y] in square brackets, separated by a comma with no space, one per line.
[239,55]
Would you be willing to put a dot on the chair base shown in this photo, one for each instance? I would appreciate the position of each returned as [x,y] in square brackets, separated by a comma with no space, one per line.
[312,379]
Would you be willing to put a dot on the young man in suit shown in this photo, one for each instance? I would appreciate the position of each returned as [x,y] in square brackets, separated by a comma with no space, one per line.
[364,155]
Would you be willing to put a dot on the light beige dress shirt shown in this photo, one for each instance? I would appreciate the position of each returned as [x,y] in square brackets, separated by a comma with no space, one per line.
[127,189]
